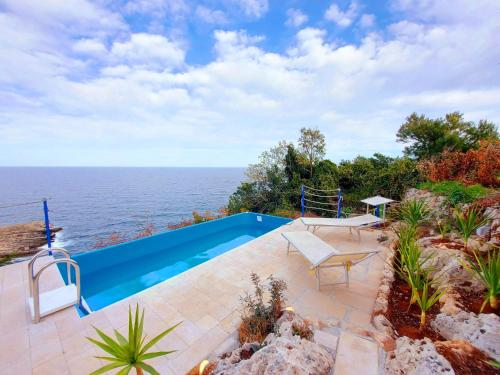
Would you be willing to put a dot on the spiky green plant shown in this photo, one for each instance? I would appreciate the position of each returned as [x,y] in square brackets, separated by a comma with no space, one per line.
[414,212]
[425,300]
[129,353]
[468,222]
[410,267]
[406,234]
[444,227]
[487,269]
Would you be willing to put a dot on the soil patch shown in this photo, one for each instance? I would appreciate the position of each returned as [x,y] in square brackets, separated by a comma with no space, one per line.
[471,362]
[406,321]
[473,300]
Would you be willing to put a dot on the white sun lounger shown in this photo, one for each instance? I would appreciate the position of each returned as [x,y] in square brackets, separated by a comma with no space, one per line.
[356,222]
[322,255]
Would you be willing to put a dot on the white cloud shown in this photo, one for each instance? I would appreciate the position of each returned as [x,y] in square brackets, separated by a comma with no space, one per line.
[295,17]
[340,17]
[254,8]
[147,50]
[141,103]
[210,15]
[80,17]
[90,47]
[367,20]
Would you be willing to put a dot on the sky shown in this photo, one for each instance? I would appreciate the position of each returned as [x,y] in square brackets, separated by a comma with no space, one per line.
[215,83]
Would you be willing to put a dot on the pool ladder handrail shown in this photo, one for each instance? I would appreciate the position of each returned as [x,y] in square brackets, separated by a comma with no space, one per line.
[33,279]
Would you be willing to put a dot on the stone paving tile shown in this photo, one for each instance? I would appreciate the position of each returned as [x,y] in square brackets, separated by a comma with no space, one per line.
[356,355]
[206,298]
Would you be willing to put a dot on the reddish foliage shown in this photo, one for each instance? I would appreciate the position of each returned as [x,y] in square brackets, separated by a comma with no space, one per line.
[148,230]
[492,200]
[474,166]
[199,218]
[114,238]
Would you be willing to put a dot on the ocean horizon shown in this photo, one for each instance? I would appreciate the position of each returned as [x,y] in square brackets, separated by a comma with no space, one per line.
[91,203]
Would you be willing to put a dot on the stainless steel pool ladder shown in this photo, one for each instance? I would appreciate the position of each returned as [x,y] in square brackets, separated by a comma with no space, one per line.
[57,299]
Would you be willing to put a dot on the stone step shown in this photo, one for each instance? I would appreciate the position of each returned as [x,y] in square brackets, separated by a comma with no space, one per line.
[356,355]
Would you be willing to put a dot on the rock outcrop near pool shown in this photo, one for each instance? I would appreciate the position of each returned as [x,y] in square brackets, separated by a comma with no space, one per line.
[282,353]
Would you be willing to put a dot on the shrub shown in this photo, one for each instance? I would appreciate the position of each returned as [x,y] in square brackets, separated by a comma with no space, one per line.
[259,317]
[474,166]
[455,192]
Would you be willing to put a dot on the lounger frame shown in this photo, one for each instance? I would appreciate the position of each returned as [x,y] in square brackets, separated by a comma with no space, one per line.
[317,269]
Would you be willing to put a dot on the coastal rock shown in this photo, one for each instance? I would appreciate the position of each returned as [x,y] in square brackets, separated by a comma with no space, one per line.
[24,239]
[416,357]
[284,356]
[482,331]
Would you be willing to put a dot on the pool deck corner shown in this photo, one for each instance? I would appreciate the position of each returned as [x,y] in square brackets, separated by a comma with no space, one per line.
[205,298]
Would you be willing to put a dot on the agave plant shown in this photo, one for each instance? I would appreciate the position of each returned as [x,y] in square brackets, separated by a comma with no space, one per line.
[468,222]
[425,300]
[414,212]
[488,271]
[130,353]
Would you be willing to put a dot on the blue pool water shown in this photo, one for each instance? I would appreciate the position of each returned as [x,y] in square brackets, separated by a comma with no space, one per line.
[113,273]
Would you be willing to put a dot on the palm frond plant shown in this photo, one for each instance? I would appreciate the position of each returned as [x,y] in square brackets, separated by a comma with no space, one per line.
[425,300]
[468,222]
[487,269]
[414,212]
[130,353]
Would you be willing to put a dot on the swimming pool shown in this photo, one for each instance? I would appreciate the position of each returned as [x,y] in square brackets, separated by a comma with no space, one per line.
[116,272]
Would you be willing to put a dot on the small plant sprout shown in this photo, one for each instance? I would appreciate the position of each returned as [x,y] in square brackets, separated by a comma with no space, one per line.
[487,269]
[130,353]
[425,300]
[468,222]
[444,227]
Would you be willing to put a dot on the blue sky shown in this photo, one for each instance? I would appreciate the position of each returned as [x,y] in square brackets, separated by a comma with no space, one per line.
[214,83]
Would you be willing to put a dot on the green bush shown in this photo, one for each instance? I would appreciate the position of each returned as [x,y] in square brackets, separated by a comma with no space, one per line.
[455,192]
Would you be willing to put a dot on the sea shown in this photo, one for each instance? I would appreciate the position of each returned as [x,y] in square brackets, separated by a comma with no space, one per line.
[92,203]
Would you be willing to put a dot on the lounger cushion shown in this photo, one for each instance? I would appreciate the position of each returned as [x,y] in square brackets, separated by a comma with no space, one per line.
[313,248]
[353,222]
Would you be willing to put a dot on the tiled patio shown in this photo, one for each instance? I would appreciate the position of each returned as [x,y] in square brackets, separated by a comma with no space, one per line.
[205,299]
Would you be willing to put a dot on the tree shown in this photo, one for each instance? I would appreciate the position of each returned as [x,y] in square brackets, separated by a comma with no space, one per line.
[274,157]
[312,147]
[429,137]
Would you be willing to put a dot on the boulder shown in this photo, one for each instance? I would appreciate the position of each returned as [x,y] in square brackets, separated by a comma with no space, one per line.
[282,353]
[482,331]
[416,357]
[438,204]
[284,356]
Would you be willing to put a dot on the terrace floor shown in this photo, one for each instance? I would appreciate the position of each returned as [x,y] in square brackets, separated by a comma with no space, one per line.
[205,298]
